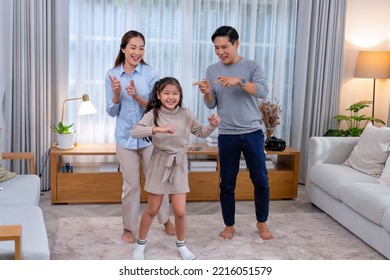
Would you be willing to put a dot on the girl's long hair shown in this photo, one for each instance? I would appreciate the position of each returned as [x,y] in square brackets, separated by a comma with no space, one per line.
[154,103]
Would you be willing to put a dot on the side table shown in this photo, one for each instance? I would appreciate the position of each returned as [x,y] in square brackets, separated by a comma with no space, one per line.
[13,232]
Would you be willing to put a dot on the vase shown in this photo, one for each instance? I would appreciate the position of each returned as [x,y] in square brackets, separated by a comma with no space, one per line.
[269,132]
[65,141]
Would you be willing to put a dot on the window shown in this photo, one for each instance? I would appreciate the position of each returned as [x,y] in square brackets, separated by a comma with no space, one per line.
[178,43]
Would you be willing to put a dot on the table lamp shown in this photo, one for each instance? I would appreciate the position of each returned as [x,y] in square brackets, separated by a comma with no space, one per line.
[86,107]
[66,140]
[373,64]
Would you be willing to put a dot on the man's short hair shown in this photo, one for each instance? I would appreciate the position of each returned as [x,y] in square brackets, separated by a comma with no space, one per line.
[226,31]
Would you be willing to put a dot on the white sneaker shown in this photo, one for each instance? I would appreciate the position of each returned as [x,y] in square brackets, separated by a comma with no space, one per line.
[138,253]
[185,253]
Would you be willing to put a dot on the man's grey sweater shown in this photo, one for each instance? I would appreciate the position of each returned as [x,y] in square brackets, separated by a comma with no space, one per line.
[237,109]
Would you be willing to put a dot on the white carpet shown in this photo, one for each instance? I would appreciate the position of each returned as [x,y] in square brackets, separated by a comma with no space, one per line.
[297,236]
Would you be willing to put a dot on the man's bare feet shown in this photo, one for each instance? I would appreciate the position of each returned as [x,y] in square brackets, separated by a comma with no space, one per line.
[227,233]
[128,236]
[264,232]
[170,228]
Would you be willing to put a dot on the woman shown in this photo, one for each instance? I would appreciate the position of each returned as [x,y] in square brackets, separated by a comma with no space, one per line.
[128,85]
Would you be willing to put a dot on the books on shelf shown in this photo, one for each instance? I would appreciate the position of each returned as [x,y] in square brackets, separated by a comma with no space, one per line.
[212,141]
[109,167]
[242,163]
[196,165]
[203,169]
[269,163]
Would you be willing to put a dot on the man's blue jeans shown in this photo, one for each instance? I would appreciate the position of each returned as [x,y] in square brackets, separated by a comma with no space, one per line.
[252,147]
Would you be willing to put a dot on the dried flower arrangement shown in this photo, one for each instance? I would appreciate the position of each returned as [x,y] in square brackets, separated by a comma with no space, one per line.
[270,114]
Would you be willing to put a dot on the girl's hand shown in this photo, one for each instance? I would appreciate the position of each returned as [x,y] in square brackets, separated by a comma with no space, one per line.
[168,128]
[214,119]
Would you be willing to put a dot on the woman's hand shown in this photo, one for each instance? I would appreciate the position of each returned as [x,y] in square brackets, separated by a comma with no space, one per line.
[116,88]
[214,119]
[131,90]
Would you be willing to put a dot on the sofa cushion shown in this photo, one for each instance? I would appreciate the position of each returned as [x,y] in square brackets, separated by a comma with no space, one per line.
[332,177]
[35,244]
[370,200]
[21,190]
[386,220]
[370,153]
[385,176]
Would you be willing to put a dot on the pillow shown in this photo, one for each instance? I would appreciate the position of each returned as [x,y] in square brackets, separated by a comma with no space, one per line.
[385,177]
[371,151]
[4,174]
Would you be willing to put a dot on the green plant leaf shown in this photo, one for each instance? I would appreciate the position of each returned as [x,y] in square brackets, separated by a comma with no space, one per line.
[354,121]
[61,128]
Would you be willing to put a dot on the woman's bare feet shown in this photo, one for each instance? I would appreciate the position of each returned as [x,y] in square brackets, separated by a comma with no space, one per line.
[170,228]
[128,236]
[227,233]
[264,232]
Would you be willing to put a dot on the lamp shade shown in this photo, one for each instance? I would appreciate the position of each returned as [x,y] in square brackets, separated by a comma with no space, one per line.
[86,107]
[373,64]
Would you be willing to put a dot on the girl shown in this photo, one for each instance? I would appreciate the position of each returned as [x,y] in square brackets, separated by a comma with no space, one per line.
[169,125]
[128,85]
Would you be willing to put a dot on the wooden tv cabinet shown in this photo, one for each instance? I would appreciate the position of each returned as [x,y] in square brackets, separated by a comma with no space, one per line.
[86,184]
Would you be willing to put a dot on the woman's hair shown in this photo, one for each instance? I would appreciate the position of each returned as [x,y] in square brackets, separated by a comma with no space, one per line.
[154,103]
[125,40]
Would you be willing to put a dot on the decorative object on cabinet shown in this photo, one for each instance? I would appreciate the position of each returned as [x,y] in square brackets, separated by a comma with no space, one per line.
[65,136]
[270,116]
[274,144]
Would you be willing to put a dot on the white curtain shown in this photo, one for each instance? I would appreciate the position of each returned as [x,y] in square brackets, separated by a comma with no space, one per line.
[178,44]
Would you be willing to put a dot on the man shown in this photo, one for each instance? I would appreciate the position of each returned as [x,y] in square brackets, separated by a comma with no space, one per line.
[234,85]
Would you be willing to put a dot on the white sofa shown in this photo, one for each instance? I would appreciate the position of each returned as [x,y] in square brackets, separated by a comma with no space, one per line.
[19,204]
[354,199]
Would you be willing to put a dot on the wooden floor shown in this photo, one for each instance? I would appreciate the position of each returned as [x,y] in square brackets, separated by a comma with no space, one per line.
[53,212]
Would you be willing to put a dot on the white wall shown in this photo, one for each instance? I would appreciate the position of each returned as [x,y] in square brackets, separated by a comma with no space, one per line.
[367,28]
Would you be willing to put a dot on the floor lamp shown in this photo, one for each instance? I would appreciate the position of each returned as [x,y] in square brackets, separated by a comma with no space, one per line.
[375,65]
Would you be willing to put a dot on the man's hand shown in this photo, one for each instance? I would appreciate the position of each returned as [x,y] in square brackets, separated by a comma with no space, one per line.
[226,81]
[204,86]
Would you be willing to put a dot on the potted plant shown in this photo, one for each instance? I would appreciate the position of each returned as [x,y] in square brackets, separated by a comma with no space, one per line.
[65,136]
[353,120]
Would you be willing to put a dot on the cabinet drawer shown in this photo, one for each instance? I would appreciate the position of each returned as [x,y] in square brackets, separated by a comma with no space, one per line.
[203,186]
[280,184]
[89,187]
